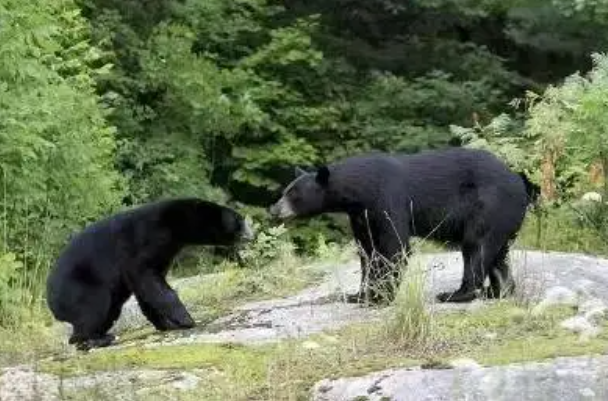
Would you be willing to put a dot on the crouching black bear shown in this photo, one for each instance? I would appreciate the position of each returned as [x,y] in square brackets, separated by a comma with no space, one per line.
[130,253]
[460,196]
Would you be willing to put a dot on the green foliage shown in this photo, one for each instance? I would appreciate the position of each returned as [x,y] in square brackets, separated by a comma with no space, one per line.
[268,245]
[410,322]
[56,147]
[564,228]
[568,121]
[11,294]
[412,115]
[585,97]
[571,118]
[504,137]
[219,99]
[108,100]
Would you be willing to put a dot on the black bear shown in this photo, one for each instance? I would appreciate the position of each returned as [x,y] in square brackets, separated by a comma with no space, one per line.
[459,196]
[130,253]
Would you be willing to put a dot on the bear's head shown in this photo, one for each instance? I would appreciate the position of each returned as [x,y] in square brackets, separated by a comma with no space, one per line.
[233,228]
[207,223]
[305,196]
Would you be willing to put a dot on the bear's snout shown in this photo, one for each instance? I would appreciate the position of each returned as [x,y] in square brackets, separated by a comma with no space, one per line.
[273,210]
[247,232]
[281,209]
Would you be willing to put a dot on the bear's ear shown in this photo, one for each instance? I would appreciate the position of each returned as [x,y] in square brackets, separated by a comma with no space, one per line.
[299,171]
[322,175]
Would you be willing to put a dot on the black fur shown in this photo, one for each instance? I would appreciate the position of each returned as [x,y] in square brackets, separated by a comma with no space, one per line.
[532,190]
[461,196]
[130,253]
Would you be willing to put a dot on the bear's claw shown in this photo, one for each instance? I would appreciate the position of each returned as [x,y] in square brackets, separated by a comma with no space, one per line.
[457,296]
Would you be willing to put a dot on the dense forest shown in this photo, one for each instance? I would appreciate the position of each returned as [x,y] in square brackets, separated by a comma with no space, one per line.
[105,104]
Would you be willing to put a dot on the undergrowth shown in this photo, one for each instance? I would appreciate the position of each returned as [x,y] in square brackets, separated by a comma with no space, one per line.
[563,229]
[496,334]
[409,333]
[28,332]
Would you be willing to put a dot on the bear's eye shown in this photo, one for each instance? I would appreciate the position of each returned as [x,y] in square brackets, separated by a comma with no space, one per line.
[295,196]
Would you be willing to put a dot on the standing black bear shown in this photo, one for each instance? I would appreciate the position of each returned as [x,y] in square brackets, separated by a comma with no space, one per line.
[130,253]
[461,196]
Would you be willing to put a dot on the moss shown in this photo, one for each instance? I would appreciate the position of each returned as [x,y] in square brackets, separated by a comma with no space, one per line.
[539,347]
[169,357]
[222,291]
[27,343]
[504,333]
[500,333]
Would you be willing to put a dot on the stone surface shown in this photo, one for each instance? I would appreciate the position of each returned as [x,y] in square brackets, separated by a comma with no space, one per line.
[564,379]
[22,383]
[582,326]
[593,309]
[464,363]
[547,278]
[557,295]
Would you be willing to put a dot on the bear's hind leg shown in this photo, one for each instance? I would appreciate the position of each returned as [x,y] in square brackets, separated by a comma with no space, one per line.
[481,259]
[502,283]
[91,326]
[469,253]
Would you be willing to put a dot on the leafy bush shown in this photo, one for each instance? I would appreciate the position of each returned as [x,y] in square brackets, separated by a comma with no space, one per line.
[268,245]
[561,228]
[56,149]
[502,136]
[12,294]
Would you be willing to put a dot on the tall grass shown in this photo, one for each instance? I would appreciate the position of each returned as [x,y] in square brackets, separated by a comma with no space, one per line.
[22,281]
[25,332]
[411,321]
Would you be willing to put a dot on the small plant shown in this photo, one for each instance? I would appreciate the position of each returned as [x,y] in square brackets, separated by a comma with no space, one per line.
[11,294]
[269,245]
[326,250]
[410,322]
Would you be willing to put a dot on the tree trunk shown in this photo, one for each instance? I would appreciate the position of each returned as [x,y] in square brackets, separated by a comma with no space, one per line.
[548,190]
[604,166]
[597,172]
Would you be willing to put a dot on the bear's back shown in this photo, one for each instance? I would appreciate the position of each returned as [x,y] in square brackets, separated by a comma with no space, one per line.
[101,240]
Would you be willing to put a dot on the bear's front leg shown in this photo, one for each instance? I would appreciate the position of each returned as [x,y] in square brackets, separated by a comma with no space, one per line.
[362,295]
[383,282]
[384,274]
[384,239]
[160,304]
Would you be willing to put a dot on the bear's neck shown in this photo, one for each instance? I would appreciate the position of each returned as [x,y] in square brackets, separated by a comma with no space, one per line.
[351,201]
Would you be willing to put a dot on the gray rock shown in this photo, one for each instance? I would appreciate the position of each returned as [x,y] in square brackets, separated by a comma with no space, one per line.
[557,295]
[548,278]
[23,383]
[564,379]
[594,310]
[582,326]
[584,287]
[464,363]
[576,277]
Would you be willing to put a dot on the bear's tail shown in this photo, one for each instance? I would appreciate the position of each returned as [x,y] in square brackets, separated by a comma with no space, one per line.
[532,190]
